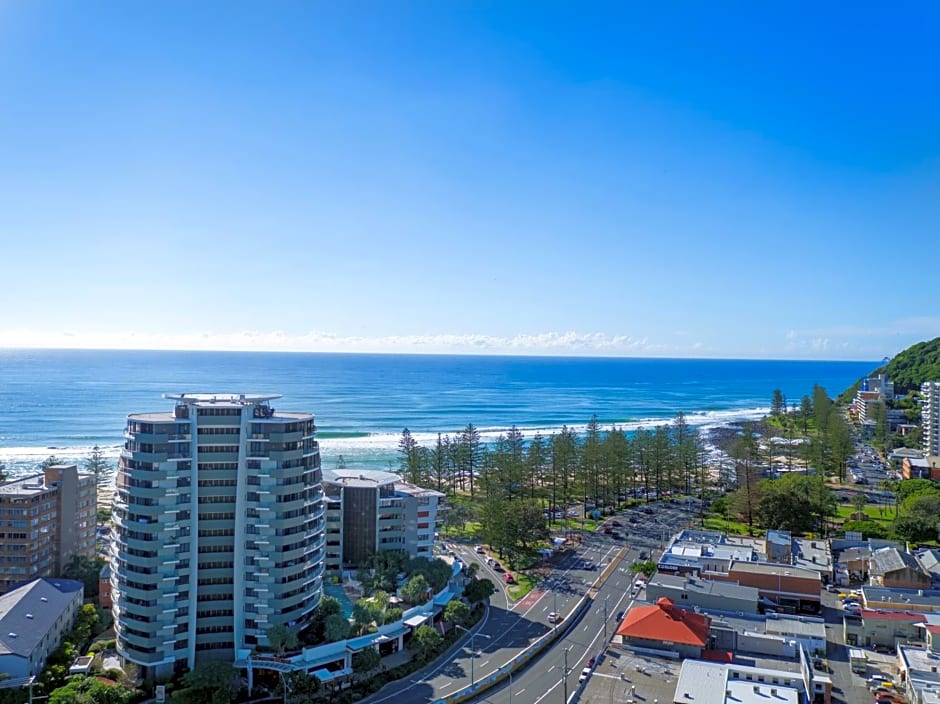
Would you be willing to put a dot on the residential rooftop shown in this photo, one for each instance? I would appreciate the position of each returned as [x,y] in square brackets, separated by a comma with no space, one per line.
[29,611]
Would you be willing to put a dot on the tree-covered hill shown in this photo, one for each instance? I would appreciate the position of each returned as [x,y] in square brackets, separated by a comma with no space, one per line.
[908,369]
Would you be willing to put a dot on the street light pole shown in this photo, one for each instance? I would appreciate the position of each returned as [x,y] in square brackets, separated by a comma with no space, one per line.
[510,687]
[473,651]
[564,676]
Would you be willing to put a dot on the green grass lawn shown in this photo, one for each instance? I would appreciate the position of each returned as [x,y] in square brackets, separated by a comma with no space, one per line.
[875,512]
[524,584]
[724,525]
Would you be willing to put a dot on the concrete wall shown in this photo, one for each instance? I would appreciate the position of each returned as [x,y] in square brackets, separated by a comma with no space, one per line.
[762,644]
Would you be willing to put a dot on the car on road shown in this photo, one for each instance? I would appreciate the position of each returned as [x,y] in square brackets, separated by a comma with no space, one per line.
[479,549]
[883,649]
[585,673]
[616,523]
[616,536]
[643,555]
[554,618]
[509,579]
[608,530]
[647,510]
[832,588]
[632,519]
[620,615]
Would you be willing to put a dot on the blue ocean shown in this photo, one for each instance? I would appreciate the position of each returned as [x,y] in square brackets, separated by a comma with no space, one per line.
[63,402]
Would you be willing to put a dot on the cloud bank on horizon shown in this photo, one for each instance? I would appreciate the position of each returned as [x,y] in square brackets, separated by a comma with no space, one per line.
[812,344]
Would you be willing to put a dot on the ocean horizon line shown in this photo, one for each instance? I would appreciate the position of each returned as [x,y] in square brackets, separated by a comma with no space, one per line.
[474,355]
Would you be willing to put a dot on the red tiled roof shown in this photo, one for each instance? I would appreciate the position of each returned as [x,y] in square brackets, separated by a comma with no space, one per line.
[666,622]
[893,615]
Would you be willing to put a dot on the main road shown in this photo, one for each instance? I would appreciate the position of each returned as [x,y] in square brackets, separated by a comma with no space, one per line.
[511,627]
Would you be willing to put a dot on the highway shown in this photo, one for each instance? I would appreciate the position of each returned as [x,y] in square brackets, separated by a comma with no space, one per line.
[511,627]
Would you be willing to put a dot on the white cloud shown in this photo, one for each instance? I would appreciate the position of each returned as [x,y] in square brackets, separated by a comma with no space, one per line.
[559,343]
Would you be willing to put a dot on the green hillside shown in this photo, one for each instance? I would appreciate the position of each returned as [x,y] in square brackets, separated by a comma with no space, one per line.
[908,369]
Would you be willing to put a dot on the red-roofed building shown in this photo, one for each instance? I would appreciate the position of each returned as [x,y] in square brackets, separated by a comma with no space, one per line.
[664,626]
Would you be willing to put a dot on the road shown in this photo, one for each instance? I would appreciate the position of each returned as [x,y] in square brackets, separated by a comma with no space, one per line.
[542,679]
[511,627]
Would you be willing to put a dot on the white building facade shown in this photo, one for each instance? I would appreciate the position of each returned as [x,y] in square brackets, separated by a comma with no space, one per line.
[219,530]
[930,417]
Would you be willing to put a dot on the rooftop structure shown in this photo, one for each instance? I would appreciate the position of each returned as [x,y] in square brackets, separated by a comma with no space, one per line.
[694,592]
[723,683]
[926,600]
[891,567]
[696,552]
[219,529]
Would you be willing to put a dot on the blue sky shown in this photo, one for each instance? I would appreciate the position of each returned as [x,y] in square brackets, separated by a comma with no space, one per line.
[689,179]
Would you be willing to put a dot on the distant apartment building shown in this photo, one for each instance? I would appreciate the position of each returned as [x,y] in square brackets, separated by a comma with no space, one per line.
[930,417]
[368,511]
[219,530]
[45,519]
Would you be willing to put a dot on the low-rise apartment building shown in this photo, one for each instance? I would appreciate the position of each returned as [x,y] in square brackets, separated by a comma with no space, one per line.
[368,511]
[45,519]
[34,618]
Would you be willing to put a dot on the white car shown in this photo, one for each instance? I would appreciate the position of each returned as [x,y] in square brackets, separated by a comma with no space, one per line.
[585,673]
[554,618]
[479,549]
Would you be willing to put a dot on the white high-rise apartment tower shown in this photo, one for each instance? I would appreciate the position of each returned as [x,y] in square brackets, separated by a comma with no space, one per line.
[930,417]
[219,518]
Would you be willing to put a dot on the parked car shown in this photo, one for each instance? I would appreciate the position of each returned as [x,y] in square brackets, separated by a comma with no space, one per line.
[509,579]
[554,618]
[591,662]
[620,616]
[632,519]
[832,588]
[479,549]
[616,523]
[585,673]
